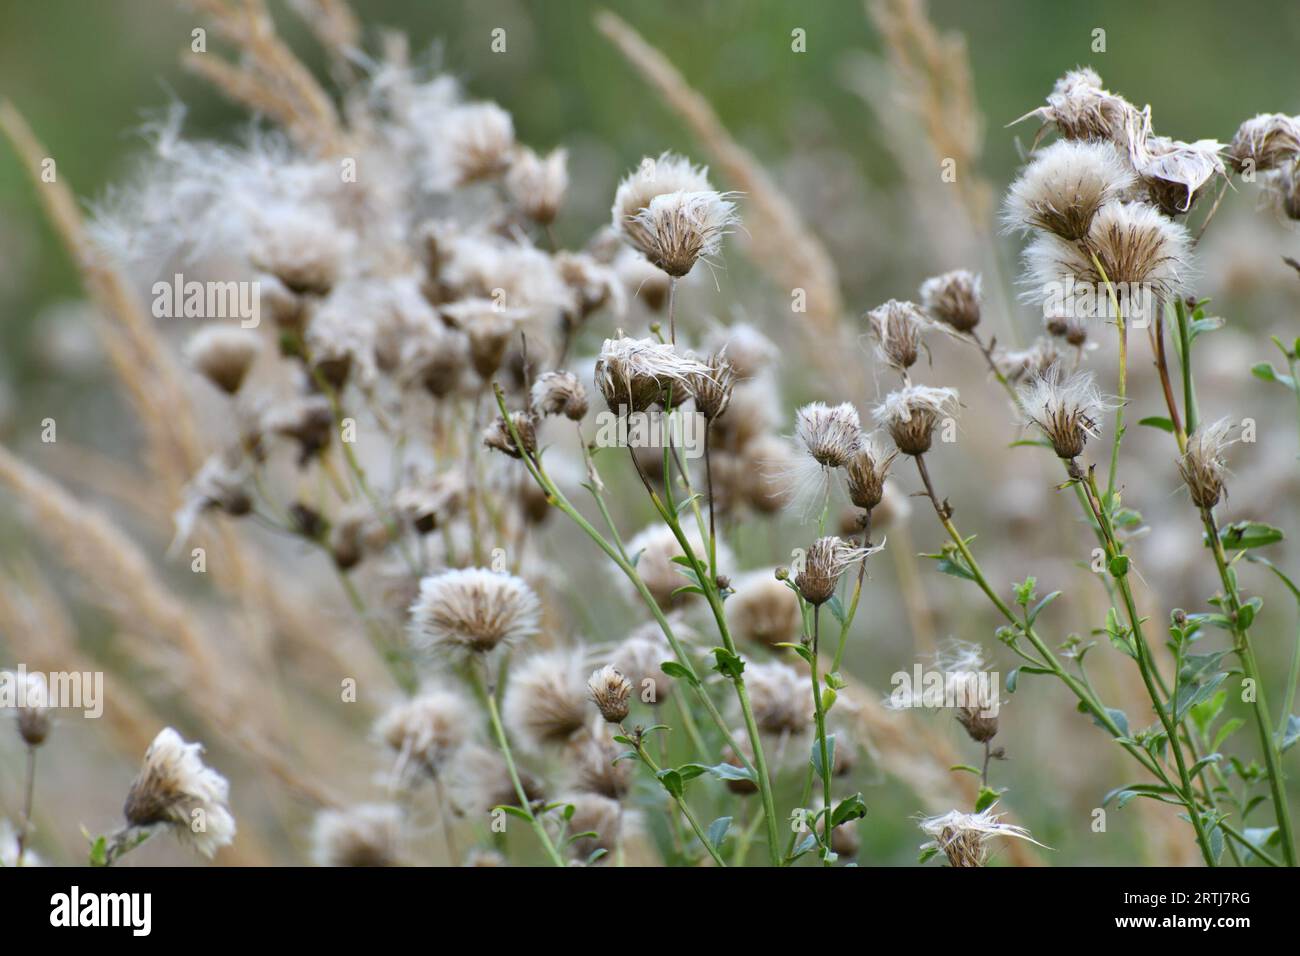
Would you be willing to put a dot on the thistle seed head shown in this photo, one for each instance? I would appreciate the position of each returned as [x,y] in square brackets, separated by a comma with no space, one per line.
[537,185]
[953,299]
[1065,185]
[911,414]
[964,837]
[223,355]
[473,611]
[1265,142]
[897,327]
[1065,407]
[634,373]
[826,560]
[609,692]
[559,393]
[866,473]
[545,700]
[175,788]
[830,434]
[1203,466]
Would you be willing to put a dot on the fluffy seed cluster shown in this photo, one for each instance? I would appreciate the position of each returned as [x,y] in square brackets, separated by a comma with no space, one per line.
[633,374]
[781,698]
[826,560]
[1065,407]
[668,211]
[1203,466]
[537,184]
[366,835]
[559,393]
[865,474]
[223,355]
[964,837]
[545,700]
[953,299]
[473,610]
[830,434]
[1065,185]
[763,610]
[609,691]
[33,707]
[425,731]
[911,414]
[175,788]
[1265,142]
[896,328]
[712,390]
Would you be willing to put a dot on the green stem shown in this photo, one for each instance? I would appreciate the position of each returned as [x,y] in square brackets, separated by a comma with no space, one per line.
[680,801]
[822,747]
[1259,707]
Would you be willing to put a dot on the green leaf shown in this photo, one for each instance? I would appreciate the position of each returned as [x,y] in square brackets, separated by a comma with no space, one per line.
[966,767]
[836,607]
[722,771]
[1229,728]
[802,650]
[1156,421]
[828,699]
[987,797]
[1206,712]
[1118,566]
[1187,694]
[1265,372]
[99,852]
[836,680]
[718,830]
[817,754]
[850,808]
[1038,608]
[1241,535]
[514,812]
[1127,792]
[1118,717]
[676,670]
[1013,678]
[672,782]
[1025,590]
[927,854]
[728,664]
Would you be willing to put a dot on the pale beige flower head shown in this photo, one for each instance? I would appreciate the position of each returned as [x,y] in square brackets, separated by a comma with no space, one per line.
[1065,407]
[634,373]
[763,610]
[537,184]
[896,328]
[610,691]
[826,560]
[369,834]
[424,731]
[1173,172]
[1065,185]
[175,788]
[911,414]
[593,756]
[953,299]
[677,230]
[223,354]
[964,837]
[781,698]
[498,435]
[639,657]
[712,389]
[1080,108]
[473,610]
[1203,465]
[1265,142]
[559,393]
[546,699]
[668,173]
[654,550]
[480,141]
[32,700]
[830,434]
[865,473]
[749,351]
[1026,365]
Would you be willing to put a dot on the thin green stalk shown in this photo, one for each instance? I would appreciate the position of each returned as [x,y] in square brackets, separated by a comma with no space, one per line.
[1259,706]
[823,749]
[525,804]
[653,767]
[1121,392]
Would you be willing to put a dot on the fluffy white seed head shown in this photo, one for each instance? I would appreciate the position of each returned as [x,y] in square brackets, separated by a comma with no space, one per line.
[223,354]
[537,184]
[424,731]
[369,834]
[1065,407]
[1203,465]
[911,414]
[896,328]
[634,373]
[473,610]
[1065,185]
[963,837]
[546,699]
[830,434]
[953,299]
[176,789]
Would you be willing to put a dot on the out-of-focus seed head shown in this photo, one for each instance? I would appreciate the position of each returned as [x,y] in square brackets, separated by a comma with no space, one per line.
[1025,365]
[559,393]
[609,692]
[497,436]
[537,185]
[897,327]
[175,788]
[32,697]
[666,174]
[473,610]
[366,835]
[911,414]
[480,141]
[1203,466]
[953,299]
[1080,108]
[763,610]
[545,700]
[781,698]
[223,355]
[425,731]
[1264,142]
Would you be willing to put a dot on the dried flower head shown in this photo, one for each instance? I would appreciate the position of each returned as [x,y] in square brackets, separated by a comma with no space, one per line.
[1142,252]
[763,610]
[964,837]
[1265,142]
[1080,108]
[781,698]
[677,230]
[1173,172]
[1283,185]
[366,835]
[657,547]
[667,174]
[593,756]
[897,327]
[1203,466]
[424,731]
[634,373]
[911,414]
[766,464]
[1025,365]
[609,692]
[1065,185]
[498,436]
[866,472]
[749,351]
[953,299]
[480,140]
[603,821]
[559,393]
[830,434]
[546,699]
[488,328]
[1067,323]
[309,421]
[32,700]
[473,610]
[537,185]
[826,560]
[712,390]
[223,355]
[175,788]
[1065,407]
